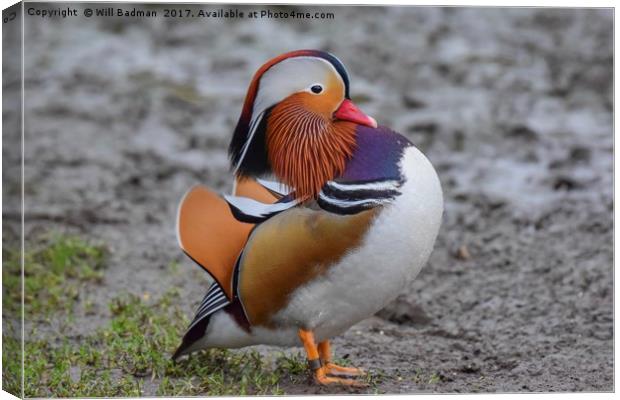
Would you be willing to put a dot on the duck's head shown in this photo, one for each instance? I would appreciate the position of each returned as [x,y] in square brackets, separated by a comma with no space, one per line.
[298,122]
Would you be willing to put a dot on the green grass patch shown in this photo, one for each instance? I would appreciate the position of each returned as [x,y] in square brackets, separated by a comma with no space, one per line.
[128,356]
[55,268]
[136,346]
[11,364]
[131,352]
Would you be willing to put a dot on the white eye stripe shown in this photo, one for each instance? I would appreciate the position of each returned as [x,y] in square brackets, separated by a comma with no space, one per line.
[290,76]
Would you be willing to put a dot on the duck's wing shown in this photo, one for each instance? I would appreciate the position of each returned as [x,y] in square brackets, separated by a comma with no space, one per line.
[212,230]
[283,253]
[209,234]
[289,250]
[214,300]
[256,200]
[248,210]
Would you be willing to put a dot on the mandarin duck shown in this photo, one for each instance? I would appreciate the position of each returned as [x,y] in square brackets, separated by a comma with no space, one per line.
[330,218]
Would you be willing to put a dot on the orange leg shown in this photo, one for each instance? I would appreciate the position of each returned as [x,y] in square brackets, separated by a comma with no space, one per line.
[333,369]
[319,371]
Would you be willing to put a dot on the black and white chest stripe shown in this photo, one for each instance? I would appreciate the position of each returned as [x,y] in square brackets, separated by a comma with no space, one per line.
[353,197]
[339,197]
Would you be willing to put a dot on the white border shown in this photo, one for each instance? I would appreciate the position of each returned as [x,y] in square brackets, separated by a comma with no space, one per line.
[475,3]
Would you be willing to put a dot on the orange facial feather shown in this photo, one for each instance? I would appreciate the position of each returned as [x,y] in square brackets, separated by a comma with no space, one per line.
[306,148]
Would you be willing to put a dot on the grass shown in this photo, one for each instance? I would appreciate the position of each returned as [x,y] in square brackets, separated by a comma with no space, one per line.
[135,347]
[55,269]
[11,363]
[130,354]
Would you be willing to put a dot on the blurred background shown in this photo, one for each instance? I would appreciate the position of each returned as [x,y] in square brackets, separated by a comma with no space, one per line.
[514,108]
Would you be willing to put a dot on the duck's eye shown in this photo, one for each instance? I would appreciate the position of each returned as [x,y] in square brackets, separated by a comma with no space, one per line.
[316,89]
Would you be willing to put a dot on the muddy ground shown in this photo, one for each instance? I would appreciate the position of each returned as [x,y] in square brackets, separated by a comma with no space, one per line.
[512,106]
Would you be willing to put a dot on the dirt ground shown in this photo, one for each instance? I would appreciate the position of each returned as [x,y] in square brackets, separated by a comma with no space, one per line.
[512,106]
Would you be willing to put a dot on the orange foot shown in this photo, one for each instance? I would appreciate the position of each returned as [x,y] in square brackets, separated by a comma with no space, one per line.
[321,366]
[320,377]
[337,370]
[325,353]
